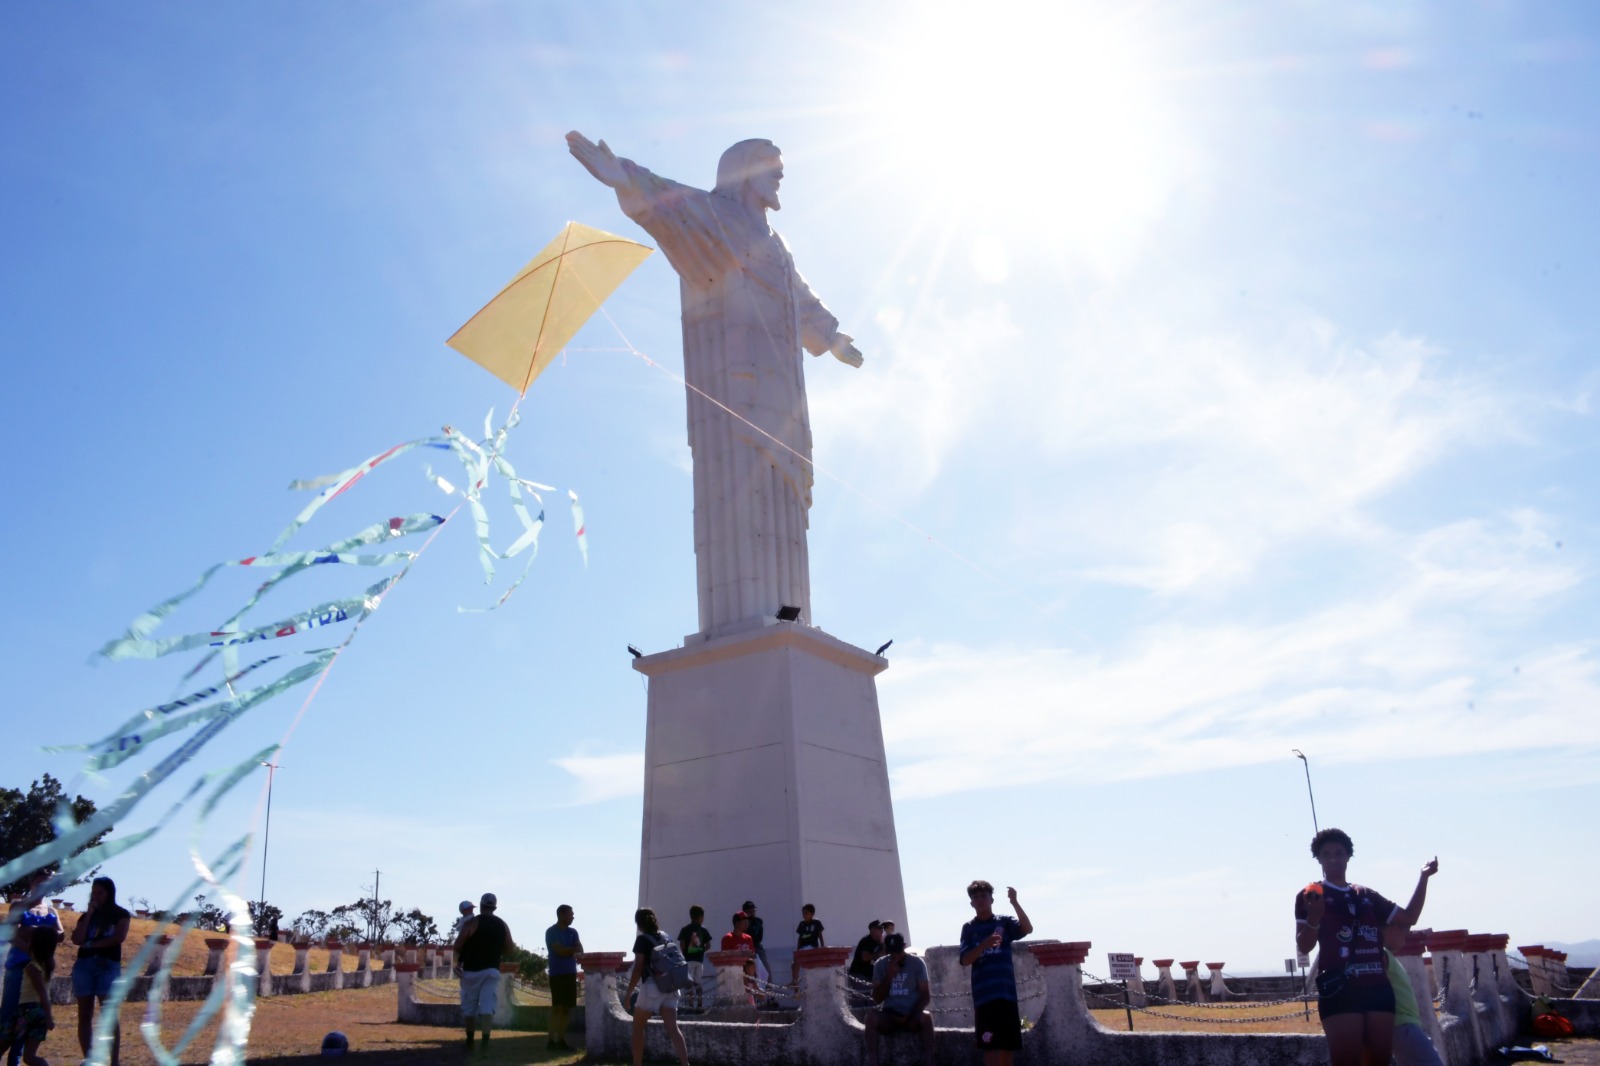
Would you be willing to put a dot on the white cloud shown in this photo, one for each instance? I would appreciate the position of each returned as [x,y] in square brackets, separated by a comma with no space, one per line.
[605,777]
[1427,668]
[1198,456]
[1165,460]
[922,399]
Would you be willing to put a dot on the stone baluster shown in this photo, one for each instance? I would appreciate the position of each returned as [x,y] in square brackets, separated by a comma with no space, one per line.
[336,962]
[1168,988]
[1496,1016]
[1558,973]
[1192,988]
[162,944]
[1066,1029]
[730,982]
[215,947]
[825,1027]
[1219,990]
[1136,996]
[300,976]
[405,977]
[1458,1021]
[503,1007]
[601,972]
[1538,976]
[264,983]
[1409,955]
[362,977]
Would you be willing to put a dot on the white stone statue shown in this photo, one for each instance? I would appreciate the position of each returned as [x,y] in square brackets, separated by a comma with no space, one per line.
[747,313]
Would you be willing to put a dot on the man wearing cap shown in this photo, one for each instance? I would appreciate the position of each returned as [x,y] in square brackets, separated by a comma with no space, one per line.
[481,944]
[739,938]
[868,948]
[900,988]
[563,944]
[757,930]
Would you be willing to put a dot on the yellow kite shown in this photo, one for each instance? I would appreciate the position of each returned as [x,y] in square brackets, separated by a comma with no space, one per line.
[518,332]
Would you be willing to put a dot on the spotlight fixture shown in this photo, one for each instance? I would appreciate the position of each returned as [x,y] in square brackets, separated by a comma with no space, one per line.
[883,647]
[635,652]
[788,613]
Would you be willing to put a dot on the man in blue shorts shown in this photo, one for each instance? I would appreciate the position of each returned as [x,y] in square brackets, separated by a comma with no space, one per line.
[986,947]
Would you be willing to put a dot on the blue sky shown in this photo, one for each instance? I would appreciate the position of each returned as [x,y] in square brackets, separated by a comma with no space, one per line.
[1229,389]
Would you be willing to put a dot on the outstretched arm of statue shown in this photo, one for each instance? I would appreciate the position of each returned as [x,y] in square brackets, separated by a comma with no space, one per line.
[842,345]
[598,159]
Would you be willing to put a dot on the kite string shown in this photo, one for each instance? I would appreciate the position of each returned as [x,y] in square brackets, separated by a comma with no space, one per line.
[863,496]
[322,676]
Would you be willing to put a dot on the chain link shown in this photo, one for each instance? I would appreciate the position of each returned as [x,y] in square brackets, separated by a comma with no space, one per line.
[1253,1005]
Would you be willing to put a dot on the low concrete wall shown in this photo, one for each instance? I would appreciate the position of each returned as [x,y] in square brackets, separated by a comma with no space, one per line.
[825,1033]
[190,988]
[507,1015]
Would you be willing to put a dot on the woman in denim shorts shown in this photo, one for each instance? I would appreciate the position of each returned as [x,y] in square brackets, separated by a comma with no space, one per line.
[99,935]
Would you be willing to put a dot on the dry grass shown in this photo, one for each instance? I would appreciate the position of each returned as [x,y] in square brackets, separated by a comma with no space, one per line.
[191,960]
[288,1030]
[1187,1018]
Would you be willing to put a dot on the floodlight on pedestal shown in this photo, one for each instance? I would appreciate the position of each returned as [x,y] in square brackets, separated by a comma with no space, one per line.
[788,613]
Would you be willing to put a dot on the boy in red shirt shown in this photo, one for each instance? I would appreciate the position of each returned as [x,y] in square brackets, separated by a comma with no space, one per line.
[739,940]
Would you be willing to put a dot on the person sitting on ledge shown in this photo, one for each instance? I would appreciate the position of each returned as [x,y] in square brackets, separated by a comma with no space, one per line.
[900,988]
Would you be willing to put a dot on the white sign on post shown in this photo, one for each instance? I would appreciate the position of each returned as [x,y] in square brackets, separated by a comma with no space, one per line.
[1123,968]
[1288,967]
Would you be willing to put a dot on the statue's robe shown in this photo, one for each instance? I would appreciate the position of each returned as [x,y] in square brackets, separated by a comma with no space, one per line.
[747,314]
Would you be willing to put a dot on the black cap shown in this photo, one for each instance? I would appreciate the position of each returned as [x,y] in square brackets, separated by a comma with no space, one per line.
[894,942]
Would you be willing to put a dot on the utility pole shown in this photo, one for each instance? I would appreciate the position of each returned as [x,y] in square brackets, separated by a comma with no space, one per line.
[266,839]
[372,917]
[1314,827]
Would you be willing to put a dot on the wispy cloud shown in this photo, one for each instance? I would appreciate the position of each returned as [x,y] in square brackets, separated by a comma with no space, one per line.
[1163,460]
[604,777]
[1443,663]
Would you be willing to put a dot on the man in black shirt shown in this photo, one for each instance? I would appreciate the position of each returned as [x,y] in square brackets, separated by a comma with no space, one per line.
[483,942]
[868,948]
[757,930]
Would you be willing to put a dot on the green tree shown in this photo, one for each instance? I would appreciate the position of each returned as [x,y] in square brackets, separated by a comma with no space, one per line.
[27,820]
[416,928]
[265,917]
[311,925]
[212,918]
[346,924]
[532,967]
[376,917]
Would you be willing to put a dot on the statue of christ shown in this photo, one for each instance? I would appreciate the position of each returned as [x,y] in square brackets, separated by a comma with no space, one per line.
[747,313]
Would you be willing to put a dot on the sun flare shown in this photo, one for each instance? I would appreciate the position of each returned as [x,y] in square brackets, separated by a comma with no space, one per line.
[1034,116]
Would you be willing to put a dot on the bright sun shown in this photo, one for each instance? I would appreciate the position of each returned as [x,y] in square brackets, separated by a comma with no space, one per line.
[1042,115]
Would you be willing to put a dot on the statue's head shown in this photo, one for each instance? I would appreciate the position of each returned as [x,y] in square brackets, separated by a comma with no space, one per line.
[752,167]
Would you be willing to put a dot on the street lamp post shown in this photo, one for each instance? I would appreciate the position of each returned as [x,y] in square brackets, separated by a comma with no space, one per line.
[266,839]
[1314,827]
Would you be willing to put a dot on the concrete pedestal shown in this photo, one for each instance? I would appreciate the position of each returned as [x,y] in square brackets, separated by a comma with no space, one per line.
[765,780]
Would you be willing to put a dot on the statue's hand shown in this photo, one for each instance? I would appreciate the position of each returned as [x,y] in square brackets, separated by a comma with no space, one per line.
[597,159]
[844,349]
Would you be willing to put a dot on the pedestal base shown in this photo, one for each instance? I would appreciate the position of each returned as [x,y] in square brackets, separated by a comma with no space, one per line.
[765,779]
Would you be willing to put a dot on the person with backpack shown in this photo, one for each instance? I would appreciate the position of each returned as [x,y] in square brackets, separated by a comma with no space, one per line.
[659,973]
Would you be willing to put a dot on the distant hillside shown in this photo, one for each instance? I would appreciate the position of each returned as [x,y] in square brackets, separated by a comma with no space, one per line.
[1578,955]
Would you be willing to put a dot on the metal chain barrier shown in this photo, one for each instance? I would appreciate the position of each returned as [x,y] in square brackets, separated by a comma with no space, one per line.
[1255,1005]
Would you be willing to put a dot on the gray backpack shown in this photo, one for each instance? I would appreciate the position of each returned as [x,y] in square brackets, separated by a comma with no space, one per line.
[668,968]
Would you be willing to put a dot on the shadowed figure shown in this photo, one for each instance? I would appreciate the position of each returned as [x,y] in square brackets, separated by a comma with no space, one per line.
[747,313]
